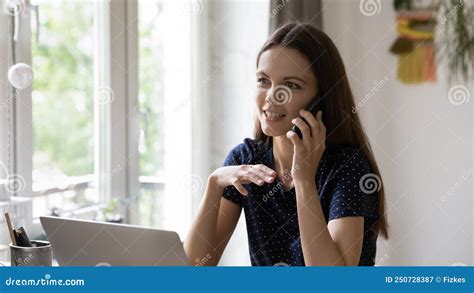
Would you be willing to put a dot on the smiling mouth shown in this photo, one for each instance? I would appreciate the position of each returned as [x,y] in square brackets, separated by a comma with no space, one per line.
[272,116]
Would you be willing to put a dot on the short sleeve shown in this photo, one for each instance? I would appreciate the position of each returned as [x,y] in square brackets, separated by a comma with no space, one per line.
[355,192]
[239,155]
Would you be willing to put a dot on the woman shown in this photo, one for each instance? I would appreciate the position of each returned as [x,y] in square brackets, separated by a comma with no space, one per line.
[315,200]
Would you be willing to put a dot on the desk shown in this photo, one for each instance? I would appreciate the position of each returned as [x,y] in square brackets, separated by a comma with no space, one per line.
[7,263]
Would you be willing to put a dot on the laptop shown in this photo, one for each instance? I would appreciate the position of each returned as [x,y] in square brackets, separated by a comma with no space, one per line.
[87,243]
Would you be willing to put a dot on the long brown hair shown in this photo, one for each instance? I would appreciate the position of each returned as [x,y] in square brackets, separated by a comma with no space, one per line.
[342,122]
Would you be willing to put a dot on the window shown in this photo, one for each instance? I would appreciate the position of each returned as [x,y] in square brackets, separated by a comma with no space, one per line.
[63,107]
[166,97]
[107,127]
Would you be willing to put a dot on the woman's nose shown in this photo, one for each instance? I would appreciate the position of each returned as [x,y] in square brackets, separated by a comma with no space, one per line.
[270,98]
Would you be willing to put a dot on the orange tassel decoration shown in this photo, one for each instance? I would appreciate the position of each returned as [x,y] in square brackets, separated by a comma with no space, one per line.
[415,48]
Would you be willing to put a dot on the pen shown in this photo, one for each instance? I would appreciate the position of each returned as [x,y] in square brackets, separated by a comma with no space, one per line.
[10,229]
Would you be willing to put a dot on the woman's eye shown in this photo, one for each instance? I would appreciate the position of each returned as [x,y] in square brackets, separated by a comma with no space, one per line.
[292,85]
[262,80]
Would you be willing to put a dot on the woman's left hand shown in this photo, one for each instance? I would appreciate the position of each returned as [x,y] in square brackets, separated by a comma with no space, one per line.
[308,150]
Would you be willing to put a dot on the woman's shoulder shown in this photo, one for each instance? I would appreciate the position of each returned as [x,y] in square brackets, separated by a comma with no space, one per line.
[247,151]
[249,146]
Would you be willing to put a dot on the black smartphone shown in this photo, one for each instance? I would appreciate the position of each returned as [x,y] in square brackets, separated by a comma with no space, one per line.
[315,106]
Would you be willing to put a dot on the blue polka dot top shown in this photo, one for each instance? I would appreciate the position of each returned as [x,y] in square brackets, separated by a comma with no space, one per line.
[270,210]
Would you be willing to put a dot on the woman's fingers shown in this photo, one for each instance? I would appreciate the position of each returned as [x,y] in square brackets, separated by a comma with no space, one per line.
[297,142]
[319,117]
[246,177]
[240,188]
[311,120]
[266,169]
[316,123]
[264,173]
[303,126]
[257,174]
[249,174]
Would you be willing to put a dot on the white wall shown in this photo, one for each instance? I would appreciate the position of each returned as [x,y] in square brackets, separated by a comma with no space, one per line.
[422,143]
[237,30]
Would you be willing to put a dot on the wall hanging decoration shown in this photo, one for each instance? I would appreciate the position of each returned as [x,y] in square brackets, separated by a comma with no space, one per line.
[432,32]
[415,45]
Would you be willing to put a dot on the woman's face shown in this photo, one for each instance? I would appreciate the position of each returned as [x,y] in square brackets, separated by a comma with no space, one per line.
[285,85]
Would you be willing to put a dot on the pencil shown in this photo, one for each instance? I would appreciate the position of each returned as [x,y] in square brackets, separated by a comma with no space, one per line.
[10,228]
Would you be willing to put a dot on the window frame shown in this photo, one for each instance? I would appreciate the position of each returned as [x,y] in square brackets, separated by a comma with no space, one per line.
[18,105]
[5,92]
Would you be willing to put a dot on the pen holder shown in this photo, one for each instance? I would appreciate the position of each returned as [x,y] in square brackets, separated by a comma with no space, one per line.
[40,255]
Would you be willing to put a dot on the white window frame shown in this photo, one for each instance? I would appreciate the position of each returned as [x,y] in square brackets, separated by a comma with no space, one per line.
[201,105]
[16,154]
[5,93]
[117,144]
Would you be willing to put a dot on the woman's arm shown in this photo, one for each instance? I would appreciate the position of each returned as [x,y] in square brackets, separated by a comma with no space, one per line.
[211,230]
[229,214]
[337,244]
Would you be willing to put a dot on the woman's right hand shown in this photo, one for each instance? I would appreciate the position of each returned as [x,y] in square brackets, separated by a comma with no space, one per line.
[242,174]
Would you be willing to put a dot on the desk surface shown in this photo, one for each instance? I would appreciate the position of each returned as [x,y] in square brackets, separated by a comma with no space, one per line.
[7,263]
